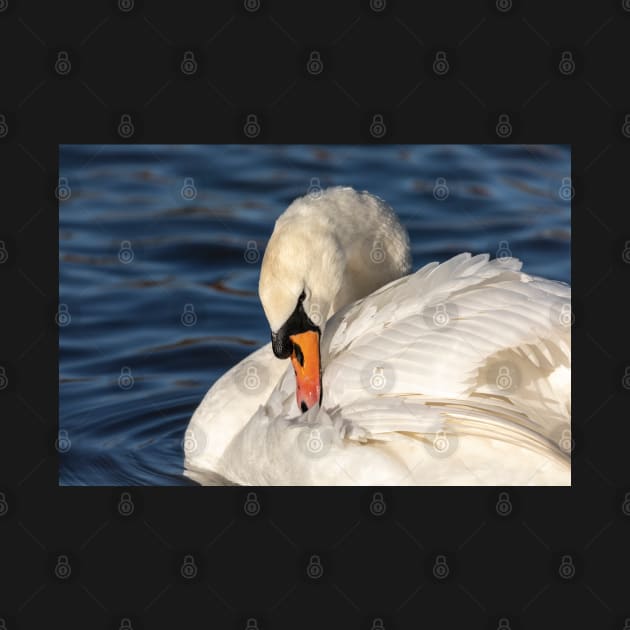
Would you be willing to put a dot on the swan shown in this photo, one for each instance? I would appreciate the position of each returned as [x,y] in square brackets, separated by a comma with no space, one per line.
[457,374]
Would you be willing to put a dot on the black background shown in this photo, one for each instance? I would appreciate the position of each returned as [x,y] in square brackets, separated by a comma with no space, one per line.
[375,62]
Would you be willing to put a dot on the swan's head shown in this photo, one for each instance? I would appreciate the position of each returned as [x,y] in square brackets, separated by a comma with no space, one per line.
[300,276]
[319,259]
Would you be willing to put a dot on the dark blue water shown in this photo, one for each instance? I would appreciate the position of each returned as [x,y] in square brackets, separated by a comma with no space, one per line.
[160,249]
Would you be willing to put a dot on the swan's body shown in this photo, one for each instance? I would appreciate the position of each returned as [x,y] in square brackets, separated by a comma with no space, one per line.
[456,374]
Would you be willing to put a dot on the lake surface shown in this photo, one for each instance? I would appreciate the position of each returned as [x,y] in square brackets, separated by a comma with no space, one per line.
[160,248]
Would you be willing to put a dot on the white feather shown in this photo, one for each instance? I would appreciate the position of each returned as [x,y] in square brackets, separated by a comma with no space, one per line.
[442,384]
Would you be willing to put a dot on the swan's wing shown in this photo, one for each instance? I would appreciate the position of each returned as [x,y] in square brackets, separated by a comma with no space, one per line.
[469,330]
[398,383]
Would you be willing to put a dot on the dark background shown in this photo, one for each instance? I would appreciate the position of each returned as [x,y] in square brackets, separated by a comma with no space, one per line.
[124,568]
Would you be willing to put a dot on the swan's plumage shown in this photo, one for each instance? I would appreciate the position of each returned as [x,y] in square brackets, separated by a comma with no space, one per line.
[408,398]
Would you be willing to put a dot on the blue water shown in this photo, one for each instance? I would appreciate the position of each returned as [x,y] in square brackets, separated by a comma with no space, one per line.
[160,249]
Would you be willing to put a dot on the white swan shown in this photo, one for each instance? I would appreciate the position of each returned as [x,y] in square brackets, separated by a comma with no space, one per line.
[457,374]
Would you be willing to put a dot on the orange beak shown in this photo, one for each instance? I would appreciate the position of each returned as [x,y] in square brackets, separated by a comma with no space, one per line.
[306,364]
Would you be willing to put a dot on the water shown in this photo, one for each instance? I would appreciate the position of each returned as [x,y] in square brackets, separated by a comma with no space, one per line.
[160,249]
